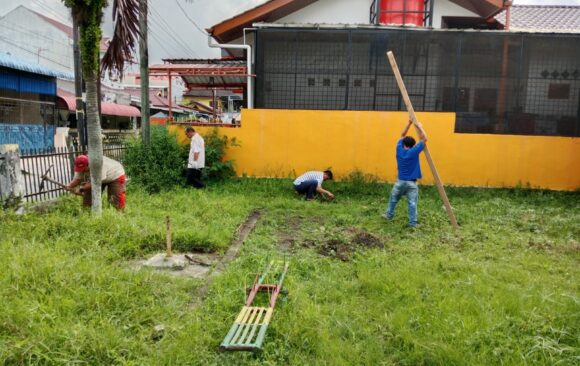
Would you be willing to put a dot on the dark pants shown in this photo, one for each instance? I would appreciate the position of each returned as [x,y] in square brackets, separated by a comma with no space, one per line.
[194,178]
[115,194]
[307,187]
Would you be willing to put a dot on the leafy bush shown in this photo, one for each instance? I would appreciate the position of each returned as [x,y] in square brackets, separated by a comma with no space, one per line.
[159,166]
[215,146]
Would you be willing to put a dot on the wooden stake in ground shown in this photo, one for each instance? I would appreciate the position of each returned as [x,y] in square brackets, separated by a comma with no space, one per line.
[413,118]
[168,236]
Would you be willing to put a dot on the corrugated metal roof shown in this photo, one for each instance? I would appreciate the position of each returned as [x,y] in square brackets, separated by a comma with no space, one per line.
[223,73]
[22,65]
[108,109]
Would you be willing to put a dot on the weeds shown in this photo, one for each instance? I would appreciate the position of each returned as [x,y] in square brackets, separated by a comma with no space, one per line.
[503,289]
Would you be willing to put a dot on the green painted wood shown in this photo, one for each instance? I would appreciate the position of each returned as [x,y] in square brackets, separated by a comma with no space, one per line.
[261,335]
[229,336]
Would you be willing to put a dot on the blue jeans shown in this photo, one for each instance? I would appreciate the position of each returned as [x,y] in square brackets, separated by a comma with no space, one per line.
[308,188]
[404,188]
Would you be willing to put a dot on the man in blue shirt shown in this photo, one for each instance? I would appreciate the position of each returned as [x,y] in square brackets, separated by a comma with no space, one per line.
[409,171]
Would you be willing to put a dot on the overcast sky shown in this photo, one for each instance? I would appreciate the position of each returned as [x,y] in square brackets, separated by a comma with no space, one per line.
[172,34]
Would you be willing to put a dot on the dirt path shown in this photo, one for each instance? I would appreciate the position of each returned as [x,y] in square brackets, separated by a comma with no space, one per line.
[241,234]
[287,236]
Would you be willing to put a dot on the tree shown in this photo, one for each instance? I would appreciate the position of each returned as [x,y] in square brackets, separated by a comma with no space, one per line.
[88,14]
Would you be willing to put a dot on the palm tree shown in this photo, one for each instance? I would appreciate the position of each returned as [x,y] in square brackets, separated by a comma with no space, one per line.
[88,14]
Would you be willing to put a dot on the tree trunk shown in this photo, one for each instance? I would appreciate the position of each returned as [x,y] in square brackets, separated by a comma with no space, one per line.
[95,142]
[11,180]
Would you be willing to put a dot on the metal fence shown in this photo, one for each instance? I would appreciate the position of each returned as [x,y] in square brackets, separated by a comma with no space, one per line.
[496,82]
[56,163]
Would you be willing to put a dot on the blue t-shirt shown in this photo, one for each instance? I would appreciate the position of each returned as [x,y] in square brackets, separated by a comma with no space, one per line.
[408,161]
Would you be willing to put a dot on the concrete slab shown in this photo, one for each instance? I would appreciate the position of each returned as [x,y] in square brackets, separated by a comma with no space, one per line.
[179,265]
[162,261]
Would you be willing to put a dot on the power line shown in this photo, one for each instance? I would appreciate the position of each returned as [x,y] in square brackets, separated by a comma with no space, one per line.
[159,39]
[34,52]
[169,33]
[59,57]
[169,30]
[160,43]
[27,31]
[55,13]
[191,20]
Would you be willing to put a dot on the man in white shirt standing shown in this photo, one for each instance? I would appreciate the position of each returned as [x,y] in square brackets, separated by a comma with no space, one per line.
[196,160]
[311,182]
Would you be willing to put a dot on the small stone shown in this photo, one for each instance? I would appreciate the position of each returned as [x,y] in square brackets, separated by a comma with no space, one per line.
[158,332]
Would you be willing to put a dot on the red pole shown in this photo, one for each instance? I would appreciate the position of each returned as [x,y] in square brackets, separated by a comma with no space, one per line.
[169,96]
[507,5]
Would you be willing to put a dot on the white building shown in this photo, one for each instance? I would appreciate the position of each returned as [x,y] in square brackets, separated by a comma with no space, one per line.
[457,56]
[31,36]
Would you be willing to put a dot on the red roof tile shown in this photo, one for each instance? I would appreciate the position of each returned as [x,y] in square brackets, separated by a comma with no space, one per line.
[543,18]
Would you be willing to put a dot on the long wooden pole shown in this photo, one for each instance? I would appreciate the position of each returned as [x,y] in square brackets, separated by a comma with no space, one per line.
[144,72]
[413,118]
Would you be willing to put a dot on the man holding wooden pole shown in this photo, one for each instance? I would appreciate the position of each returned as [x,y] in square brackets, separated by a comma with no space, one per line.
[409,170]
[413,118]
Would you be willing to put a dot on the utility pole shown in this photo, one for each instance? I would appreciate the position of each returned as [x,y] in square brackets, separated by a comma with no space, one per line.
[144,66]
[80,108]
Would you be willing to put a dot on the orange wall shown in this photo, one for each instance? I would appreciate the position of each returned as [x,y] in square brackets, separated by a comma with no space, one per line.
[282,143]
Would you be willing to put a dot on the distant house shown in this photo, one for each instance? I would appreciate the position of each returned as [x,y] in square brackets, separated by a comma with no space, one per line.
[214,87]
[506,70]
[37,38]
[114,117]
[28,103]
[204,98]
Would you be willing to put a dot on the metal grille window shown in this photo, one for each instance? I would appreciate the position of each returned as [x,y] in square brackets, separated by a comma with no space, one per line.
[495,82]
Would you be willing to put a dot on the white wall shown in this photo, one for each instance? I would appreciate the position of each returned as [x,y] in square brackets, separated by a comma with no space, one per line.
[358,12]
[25,35]
[446,8]
[332,12]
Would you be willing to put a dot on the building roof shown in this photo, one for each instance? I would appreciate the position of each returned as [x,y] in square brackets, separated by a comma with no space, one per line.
[202,107]
[156,101]
[483,8]
[207,93]
[59,25]
[203,60]
[108,109]
[220,74]
[65,28]
[541,18]
[270,11]
[16,63]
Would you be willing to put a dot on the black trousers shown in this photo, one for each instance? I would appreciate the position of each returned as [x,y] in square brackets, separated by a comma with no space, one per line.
[194,178]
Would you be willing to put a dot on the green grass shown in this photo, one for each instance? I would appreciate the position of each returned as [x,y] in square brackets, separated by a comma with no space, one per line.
[502,290]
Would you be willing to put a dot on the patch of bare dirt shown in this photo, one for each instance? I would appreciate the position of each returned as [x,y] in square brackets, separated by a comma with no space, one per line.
[540,245]
[344,244]
[571,247]
[365,239]
[336,248]
[287,237]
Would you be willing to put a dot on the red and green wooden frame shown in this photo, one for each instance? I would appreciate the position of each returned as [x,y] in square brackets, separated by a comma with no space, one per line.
[249,329]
